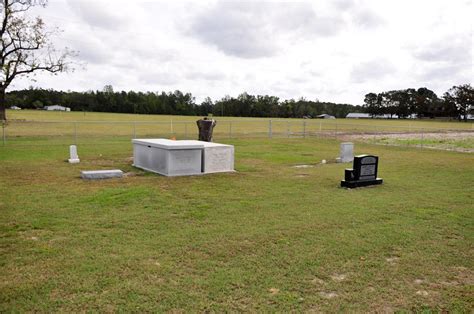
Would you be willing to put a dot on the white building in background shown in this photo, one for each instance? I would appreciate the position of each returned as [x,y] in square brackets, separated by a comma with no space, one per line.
[325,116]
[15,108]
[358,115]
[57,108]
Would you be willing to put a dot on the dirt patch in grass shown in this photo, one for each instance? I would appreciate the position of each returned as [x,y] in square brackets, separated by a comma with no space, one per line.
[302,175]
[328,294]
[339,277]
[456,141]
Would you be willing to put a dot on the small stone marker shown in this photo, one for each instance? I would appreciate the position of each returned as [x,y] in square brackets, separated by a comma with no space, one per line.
[217,157]
[364,172]
[101,174]
[73,157]
[346,153]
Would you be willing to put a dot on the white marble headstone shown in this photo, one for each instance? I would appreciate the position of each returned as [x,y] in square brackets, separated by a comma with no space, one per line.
[73,157]
[347,152]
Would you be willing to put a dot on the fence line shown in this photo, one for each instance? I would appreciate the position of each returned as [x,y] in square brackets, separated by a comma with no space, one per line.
[82,132]
[291,122]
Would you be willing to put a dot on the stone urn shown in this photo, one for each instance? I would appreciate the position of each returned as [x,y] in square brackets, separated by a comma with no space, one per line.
[206,126]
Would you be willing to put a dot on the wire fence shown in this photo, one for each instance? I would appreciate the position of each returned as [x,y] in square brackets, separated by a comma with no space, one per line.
[93,132]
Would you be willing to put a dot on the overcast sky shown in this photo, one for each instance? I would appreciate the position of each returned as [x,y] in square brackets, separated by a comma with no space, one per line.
[328,50]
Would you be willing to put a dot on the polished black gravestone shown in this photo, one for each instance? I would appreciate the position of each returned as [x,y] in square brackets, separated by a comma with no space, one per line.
[364,172]
[206,126]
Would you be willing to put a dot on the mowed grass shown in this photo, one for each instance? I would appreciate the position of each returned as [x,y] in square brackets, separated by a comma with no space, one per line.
[76,116]
[270,237]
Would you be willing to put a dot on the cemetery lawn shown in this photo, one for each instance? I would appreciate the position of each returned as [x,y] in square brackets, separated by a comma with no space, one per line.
[270,237]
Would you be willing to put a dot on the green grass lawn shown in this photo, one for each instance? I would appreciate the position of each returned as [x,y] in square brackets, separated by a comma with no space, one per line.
[39,127]
[76,116]
[270,237]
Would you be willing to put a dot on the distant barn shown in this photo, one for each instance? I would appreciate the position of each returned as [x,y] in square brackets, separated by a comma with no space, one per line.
[361,115]
[57,108]
[358,115]
[325,116]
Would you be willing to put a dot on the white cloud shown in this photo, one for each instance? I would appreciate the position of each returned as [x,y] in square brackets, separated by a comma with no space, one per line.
[372,70]
[335,50]
[98,14]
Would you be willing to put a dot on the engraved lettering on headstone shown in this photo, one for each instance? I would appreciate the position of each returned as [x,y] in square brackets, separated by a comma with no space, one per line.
[367,170]
[368,160]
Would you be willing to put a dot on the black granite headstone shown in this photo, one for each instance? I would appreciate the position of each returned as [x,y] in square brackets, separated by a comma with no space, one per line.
[364,172]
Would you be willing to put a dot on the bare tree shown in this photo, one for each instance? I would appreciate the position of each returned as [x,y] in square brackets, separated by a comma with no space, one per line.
[25,46]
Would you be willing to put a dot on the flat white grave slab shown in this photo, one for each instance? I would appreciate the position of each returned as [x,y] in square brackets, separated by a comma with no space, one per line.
[101,174]
[168,157]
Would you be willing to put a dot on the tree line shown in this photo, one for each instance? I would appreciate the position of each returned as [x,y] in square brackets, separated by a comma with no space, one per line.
[457,102]
[176,103]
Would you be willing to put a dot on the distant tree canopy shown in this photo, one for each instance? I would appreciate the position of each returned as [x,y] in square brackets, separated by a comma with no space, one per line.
[176,103]
[457,102]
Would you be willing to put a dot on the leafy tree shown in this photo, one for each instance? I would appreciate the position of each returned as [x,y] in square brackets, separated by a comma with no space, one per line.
[372,104]
[405,100]
[206,107]
[37,104]
[25,46]
[425,102]
[462,97]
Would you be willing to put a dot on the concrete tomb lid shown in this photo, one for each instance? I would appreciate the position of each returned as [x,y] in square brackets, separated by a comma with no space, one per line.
[169,144]
[209,144]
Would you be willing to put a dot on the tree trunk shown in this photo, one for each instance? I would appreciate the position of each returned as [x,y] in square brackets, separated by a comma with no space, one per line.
[3,114]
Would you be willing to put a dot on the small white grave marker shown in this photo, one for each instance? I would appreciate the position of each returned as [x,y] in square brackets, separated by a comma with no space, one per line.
[73,157]
[346,152]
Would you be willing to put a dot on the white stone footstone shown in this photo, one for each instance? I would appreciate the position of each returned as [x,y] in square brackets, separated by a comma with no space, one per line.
[101,174]
[346,152]
[217,158]
[73,157]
